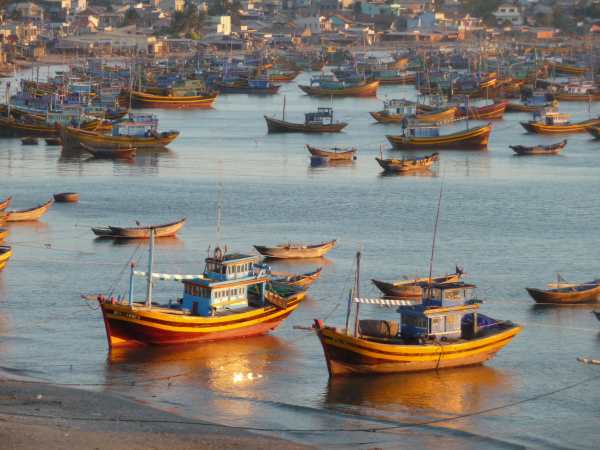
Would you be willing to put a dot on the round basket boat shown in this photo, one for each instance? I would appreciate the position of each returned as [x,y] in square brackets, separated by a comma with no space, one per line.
[66,197]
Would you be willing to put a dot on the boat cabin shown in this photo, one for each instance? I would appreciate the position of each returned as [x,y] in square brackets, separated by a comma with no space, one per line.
[552,118]
[400,107]
[422,131]
[421,322]
[319,117]
[224,285]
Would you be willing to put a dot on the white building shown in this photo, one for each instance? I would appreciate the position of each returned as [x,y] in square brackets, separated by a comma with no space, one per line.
[508,13]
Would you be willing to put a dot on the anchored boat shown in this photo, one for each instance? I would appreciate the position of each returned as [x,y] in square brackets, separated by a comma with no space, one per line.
[552,122]
[567,293]
[396,111]
[414,287]
[285,251]
[320,121]
[552,149]
[328,86]
[26,215]
[333,154]
[140,232]
[420,137]
[408,164]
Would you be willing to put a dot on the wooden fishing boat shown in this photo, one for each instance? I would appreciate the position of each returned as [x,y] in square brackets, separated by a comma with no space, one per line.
[363,89]
[146,100]
[283,76]
[13,127]
[408,164]
[569,69]
[4,232]
[443,330]
[495,111]
[76,137]
[29,141]
[334,154]
[415,287]
[552,149]
[66,197]
[573,97]
[320,121]
[110,153]
[396,111]
[5,203]
[53,141]
[5,255]
[285,251]
[566,293]
[521,107]
[302,280]
[556,123]
[250,87]
[420,137]
[26,215]
[140,232]
[231,299]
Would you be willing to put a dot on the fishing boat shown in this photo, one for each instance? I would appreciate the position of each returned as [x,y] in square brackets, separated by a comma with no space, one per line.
[147,100]
[5,203]
[320,121]
[282,76]
[5,255]
[414,287]
[579,91]
[567,293]
[495,111]
[292,250]
[552,122]
[397,111]
[31,214]
[66,197]
[443,330]
[569,69]
[110,153]
[29,141]
[419,137]
[139,131]
[232,298]
[26,127]
[140,232]
[328,86]
[303,280]
[408,164]
[552,149]
[4,232]
[333,154]
[536,102]
[245,86]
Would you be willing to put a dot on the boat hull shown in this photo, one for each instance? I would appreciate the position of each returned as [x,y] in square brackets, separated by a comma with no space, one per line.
[489,112]
[564,97]
[540,128]
[145,100]
[543,296]
[73,137]
[5,203]
[407,165]
[348,355]
[446,115]
[412,288]
[472,139]
[126,326]
[5,255]
[281,126]
[348,155]
[363,90]
[311,251]
[29,214]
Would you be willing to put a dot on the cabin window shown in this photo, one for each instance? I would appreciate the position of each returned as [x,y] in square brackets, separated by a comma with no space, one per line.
[437,325]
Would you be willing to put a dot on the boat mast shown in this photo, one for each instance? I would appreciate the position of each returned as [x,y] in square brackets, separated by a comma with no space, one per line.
[357,291]
[149,274]
[435,227]
[283,113]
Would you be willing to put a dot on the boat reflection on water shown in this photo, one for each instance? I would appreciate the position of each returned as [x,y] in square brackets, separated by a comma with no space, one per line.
[425,394]
[165,242]
[426,173]
[297,265]
[236,368]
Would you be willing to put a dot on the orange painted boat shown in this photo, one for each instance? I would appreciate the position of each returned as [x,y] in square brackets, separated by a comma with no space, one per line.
[334,154]
[494,111]
[5,255]
[4,232]
[141,232]
[436,115]
[304,280]
[544,127]
[567,293]
[422,137]
[31,214]
[147,100]
[5,203]
[569,97]
[407,165]
[365,89]
[292,251]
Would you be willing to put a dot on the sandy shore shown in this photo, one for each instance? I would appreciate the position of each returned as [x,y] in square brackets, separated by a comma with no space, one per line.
[41,416]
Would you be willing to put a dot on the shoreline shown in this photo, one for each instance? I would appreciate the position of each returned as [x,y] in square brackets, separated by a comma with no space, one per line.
[38,415]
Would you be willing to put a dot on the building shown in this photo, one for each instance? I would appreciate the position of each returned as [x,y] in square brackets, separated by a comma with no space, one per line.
[508,14]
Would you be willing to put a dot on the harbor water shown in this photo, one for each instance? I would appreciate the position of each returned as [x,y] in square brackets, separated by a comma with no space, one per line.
[511,222]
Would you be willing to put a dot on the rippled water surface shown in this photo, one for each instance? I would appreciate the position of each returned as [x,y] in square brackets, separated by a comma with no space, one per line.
[510,221]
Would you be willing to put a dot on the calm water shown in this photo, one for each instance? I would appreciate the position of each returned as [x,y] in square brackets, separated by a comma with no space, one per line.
[512,222]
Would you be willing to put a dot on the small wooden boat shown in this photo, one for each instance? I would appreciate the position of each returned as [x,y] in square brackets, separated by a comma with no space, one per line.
[552,122]
[407,165]
[66,197]
[5,203]
[291,250]
[4,232]
[110,153]
[320,121]
[415,287]
[566,293]
[303,280]
[334,154]
[552,149]
[146,100]
[5,254]
[396,111]
[26,215]
[140,232]
[29,141]
[420,137]
[53,141]
[364,89]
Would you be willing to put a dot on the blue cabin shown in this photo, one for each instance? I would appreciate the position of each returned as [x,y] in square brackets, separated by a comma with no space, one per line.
[224,285]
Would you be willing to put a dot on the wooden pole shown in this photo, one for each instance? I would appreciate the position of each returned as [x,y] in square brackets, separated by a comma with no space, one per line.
[357,292]
[150,266]
[435,227]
